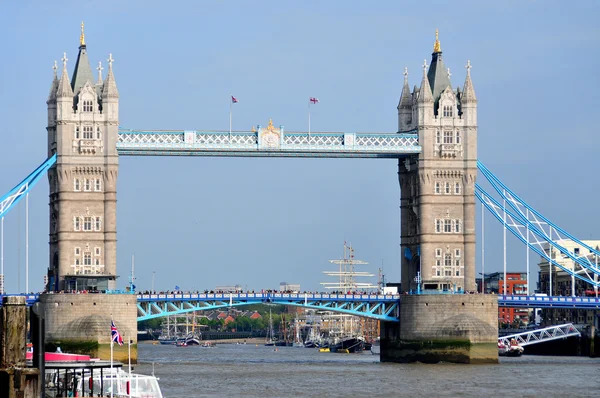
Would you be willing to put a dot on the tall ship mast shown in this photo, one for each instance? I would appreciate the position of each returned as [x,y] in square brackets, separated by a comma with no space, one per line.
[348,277]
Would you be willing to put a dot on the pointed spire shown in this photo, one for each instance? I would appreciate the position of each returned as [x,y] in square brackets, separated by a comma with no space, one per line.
[64,88]
[405,96]
[82,37]
[425,90]
[110,86]
[438,75]
[100,69]
[82,72]
[436,47]
[468,90]
[54,86]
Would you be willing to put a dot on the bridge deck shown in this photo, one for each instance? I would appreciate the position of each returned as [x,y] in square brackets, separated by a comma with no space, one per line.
[271,143]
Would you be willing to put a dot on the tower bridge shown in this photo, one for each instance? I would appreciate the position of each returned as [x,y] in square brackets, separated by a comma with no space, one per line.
[436,147]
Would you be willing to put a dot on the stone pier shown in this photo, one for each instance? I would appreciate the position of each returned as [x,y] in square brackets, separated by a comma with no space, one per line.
[460,328]
[80,323]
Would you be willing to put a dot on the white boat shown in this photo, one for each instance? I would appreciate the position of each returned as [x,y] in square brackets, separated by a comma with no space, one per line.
[80,375]
[512,350]
[376,347]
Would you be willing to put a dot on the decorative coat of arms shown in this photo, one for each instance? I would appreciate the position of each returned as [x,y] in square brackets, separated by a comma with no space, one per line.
[269,137]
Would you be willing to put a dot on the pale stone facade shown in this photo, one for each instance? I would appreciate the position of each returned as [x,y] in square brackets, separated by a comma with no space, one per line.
[83,121]
[437,186]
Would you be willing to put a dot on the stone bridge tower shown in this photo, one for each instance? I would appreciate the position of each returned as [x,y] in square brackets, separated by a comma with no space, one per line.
[437,186]
[83,122]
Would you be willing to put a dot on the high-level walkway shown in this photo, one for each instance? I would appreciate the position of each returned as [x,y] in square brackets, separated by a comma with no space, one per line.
[271,142]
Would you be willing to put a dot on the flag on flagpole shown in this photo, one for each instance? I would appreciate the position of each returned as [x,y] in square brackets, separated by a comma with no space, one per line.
[234,100]
[313,100]
[116,336]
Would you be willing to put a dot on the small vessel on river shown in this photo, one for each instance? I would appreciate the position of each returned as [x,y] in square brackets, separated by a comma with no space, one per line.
[514,349]
[75,375]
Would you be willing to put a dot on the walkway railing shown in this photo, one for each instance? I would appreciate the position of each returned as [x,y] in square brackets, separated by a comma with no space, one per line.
[541,335]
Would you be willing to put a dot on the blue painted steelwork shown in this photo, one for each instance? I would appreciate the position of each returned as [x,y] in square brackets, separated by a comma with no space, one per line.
[590,303]
[249,143]
[373,306]
[516,226]
[537,221]
[381,307]
[13,196]
[525,223]
[29,298]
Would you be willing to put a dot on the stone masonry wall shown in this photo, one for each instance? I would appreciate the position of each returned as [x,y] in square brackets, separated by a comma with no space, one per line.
[81,322]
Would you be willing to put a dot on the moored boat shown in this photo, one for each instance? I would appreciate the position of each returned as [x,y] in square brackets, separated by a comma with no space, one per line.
[376,347]
[514,349]
[76,375]
[348,345]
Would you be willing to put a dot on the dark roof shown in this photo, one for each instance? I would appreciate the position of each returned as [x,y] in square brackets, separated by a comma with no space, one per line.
[437,76]
[82,72]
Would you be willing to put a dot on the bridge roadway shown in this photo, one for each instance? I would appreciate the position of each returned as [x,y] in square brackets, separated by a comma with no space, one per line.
[376,306]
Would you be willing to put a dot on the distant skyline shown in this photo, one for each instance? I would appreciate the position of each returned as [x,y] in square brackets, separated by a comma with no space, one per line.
[199,222]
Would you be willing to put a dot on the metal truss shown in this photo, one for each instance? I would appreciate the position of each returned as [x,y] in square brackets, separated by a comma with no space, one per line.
[545,229]
[384,308]
[248,143]
[13,196]
[520,228]
[536,239]
[542,335]
[581,303]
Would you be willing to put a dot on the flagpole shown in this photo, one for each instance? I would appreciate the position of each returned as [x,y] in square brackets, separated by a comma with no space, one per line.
[111,365]
[309,120]
[230,115]
[129,354]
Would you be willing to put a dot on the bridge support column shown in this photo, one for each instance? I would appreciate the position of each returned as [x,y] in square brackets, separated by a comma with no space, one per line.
[80,323]
[443,328]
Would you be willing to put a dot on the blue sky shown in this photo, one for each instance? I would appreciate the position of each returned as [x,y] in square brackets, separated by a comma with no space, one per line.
[201,222]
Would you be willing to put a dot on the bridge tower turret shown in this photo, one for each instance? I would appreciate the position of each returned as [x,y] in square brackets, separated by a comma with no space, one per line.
[437,186]
[83,131]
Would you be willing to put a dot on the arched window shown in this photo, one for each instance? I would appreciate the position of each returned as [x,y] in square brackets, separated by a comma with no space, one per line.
[87,106]
[97,224]
[88,132]
[77,185]
[98,135]
[438,188]
[76,224]
[458,137]
[87,223]
[447,111]
[457,188]
[87,186]
[77,132]
[447,191]
[457,226]
[448,260]
[438,226]
[87,258]
[438,137]
[98,185]
[447,225]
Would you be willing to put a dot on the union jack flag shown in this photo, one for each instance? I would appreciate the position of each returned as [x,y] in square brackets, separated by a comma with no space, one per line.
[116,336]
[314,100]
[234,100]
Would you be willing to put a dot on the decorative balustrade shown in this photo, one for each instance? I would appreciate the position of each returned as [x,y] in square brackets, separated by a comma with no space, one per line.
[269,141]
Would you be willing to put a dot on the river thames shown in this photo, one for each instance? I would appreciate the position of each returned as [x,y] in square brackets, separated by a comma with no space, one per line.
[259,371]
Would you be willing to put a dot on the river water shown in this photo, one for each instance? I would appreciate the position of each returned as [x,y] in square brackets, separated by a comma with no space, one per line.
[258,371]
